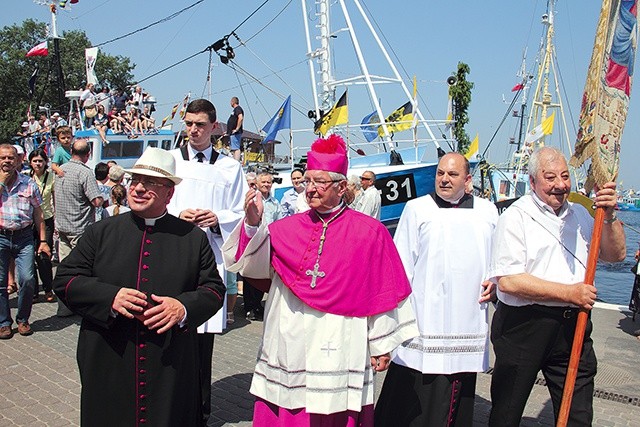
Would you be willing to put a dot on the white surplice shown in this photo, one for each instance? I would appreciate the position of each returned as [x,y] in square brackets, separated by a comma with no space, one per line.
[221,188]
[308,358]
[446,253]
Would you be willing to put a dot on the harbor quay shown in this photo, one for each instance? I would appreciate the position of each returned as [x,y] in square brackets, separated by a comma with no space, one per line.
[41,386]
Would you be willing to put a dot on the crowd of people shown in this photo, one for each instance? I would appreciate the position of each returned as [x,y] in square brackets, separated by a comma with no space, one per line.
[152,258]
[105,110]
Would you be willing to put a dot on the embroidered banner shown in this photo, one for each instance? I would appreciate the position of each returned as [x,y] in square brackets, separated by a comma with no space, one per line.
[606,95]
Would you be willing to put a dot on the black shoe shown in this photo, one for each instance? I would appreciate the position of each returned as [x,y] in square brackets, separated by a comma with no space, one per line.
[257,316]
[63,311]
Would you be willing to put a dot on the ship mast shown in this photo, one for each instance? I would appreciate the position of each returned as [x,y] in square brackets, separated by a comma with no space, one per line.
[325,98]
[55,60]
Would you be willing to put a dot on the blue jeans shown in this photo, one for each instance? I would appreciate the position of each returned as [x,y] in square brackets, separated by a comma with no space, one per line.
[20,247]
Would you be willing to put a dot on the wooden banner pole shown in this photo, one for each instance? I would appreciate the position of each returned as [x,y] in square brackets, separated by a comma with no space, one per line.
[581,323]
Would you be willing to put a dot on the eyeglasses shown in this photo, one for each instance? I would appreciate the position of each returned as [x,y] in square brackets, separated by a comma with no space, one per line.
[320,184]
[148,185]
[198,124]
[364,178]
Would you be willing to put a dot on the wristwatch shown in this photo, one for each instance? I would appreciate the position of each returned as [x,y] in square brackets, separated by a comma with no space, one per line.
[613,219]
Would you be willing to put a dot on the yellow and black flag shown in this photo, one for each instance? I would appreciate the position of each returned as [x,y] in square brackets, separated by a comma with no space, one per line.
[403,114]
[338,115]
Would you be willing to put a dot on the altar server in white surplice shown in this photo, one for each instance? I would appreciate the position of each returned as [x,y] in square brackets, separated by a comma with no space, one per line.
[213,199]
[444,241]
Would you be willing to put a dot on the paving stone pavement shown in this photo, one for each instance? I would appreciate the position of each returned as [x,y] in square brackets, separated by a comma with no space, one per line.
[41,387]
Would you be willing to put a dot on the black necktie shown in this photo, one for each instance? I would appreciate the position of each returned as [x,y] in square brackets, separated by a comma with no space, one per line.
[200,157]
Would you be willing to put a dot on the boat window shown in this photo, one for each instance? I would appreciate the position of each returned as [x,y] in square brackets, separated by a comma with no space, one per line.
[166,144]
[152,143]
[505,187]
[122,149]
[521,188]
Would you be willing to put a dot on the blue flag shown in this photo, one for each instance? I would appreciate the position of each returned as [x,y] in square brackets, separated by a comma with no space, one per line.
[370,132]
[281,120]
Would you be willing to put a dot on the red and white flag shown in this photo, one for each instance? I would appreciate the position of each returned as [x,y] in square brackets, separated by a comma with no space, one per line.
[41,49]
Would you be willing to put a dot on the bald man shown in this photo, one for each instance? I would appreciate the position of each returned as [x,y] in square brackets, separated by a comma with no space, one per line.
[444,240]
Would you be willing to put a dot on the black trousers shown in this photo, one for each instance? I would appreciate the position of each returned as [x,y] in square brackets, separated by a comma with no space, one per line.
[44,268]
[535,338]
[252,298]
[205,346]
[410,398]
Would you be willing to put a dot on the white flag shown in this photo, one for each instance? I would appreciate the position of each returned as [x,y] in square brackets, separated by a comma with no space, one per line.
[91,54]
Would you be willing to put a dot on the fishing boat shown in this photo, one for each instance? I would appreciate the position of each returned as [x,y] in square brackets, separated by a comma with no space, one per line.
[404,168]
[510,180]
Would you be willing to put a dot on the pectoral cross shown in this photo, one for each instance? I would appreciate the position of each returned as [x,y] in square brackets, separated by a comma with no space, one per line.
[315,273]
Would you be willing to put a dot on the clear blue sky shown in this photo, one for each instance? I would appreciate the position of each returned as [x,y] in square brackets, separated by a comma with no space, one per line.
[429,37]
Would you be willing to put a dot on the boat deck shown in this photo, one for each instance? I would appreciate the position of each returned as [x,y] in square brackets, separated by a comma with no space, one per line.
[41,386]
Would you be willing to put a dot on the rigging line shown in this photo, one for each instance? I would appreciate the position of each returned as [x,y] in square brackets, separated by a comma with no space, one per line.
[173,15]
[249,17]
[91,10]
[270,22]
[278,94]
[504,118]
[274,72]
[258,98]
[172,65]
[372,17]
[208,74]
[263,77]
[149,65]
[244,95]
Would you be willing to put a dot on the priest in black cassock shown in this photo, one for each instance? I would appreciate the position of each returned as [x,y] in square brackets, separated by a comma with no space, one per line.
[142,281]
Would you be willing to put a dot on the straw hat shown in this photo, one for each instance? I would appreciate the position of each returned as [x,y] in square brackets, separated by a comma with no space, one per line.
[156,162]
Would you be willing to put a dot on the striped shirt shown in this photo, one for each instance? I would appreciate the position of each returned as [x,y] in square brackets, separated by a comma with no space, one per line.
[18,202]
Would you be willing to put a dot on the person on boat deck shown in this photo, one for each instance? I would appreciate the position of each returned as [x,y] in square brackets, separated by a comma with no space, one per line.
[539,257]
[234,128]
[62,154]
[432,378]
[331,321]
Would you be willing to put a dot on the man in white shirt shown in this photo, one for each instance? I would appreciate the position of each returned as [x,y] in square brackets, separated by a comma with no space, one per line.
[539,258]
[444,241]
[370,201]
[210,196]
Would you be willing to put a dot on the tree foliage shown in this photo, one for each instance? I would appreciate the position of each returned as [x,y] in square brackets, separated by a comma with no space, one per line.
[460,93]
[16,69]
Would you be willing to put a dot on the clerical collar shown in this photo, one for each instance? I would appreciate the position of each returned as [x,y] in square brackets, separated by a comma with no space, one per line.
[330,211]
[206,152]
[465,202]
[150,222]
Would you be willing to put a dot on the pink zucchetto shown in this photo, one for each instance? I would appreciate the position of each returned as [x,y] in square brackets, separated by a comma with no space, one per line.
[328,154]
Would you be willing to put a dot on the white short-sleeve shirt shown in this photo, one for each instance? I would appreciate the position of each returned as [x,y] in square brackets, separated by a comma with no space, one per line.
[531,238]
